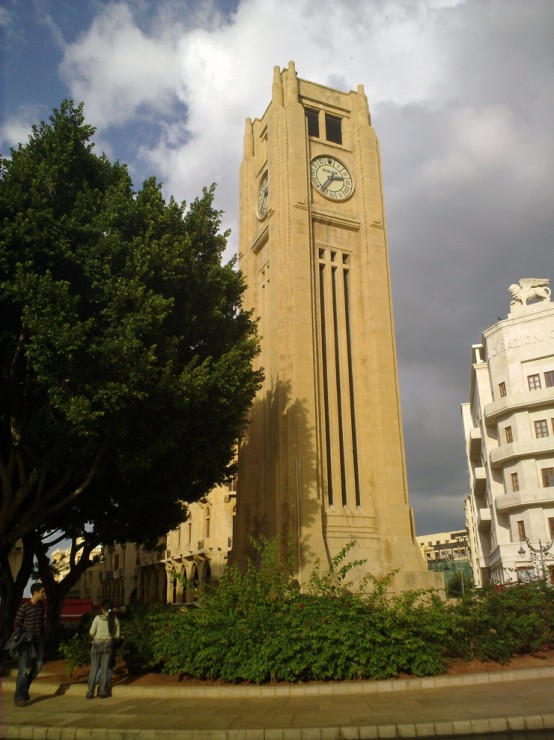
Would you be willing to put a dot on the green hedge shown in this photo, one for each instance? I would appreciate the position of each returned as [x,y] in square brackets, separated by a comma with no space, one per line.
[257,626]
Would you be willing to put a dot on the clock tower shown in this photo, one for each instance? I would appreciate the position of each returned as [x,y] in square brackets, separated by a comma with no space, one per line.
[322,463]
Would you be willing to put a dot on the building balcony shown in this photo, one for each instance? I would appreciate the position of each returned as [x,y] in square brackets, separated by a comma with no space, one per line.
[475,438]
[479,482]
[484,519]
[526,448]
[524,498]
[528,399]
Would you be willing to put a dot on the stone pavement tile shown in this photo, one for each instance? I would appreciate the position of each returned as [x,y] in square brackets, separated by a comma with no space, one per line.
[368,732]
[274,734]
[480,726]
[444,728]
[534,723]
[499,724]
[425,729]
[350,733]
[462,726]
[300,720]
[406,730]
[386,731]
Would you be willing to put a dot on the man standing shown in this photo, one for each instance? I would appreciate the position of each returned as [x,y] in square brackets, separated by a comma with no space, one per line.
[30,621]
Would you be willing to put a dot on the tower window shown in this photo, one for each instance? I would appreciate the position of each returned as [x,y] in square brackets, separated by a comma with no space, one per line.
[541,428]
[534,382]
[333,128]
[549,379]
[509,435]
[312,117]
[502,389]
[521,530]
[515,481]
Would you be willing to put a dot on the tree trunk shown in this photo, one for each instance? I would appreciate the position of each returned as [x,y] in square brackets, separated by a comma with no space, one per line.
[11,593]
[57,591]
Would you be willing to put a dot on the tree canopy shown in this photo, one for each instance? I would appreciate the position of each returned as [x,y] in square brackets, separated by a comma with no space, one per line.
[125,355]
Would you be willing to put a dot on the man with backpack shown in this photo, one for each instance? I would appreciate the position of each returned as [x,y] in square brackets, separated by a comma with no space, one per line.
[29,622]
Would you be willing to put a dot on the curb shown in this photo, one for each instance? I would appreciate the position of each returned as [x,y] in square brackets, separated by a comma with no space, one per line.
[295,690]
[456,728]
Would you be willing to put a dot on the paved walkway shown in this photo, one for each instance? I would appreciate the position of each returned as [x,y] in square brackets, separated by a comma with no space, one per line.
[515,703]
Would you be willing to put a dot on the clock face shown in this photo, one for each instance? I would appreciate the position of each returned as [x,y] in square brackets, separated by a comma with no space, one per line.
[331,178]
[262,196]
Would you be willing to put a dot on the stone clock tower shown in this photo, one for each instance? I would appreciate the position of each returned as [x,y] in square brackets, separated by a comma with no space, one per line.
[322,463]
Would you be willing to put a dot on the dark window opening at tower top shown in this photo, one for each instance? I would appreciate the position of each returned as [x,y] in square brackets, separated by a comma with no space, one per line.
[312,116]
[333,128]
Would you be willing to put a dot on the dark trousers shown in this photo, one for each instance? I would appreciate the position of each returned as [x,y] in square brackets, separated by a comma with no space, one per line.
[100,655]
[31,658]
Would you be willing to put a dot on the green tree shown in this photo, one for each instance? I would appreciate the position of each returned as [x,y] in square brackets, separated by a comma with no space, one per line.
[125,355]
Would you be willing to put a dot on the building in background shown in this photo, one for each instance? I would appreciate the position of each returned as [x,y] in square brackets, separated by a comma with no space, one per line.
[185,559]
[322,462]
[444,546]
[447,553]
[89,585]
[509,438]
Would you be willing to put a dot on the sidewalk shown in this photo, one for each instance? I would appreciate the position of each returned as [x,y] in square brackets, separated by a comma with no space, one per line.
[518,701]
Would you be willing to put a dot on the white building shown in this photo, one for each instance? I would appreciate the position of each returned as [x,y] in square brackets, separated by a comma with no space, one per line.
[509,434]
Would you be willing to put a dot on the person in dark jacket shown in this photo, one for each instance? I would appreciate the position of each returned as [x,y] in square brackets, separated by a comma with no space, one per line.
[30,621]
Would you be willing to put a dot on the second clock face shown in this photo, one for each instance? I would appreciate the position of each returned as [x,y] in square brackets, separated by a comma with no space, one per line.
[331,178]
[262,196]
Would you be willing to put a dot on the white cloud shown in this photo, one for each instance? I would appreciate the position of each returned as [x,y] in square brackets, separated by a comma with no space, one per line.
[16,129]
[118,69]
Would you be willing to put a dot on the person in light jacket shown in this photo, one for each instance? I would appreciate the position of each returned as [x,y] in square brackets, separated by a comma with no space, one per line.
[104,630]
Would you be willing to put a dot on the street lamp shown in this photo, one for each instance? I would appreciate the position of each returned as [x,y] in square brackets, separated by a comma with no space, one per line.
[541,550]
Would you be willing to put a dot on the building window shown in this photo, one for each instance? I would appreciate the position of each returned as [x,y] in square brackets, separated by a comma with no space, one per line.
[502,389]
[515,481]
[521,530]
[549,378]
[534,382]
[509,435]
[333,128]
[541,428]
[312,117]
[551,527]
[548,477]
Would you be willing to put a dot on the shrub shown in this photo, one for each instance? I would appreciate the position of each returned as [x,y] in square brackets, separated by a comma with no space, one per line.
[502,621]
[257,626]
[76,648]
[138,625]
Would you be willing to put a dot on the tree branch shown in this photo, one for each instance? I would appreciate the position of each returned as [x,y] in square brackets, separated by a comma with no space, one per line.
[39,511]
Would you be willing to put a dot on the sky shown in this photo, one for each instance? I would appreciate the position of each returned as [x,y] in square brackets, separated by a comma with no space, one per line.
[461,94]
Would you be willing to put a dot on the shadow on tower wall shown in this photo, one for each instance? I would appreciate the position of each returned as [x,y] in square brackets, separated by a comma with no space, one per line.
[278,495]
